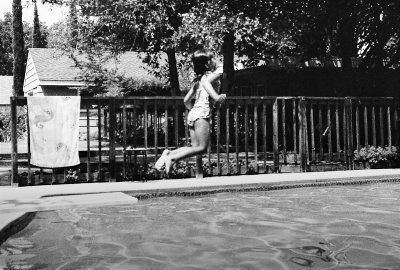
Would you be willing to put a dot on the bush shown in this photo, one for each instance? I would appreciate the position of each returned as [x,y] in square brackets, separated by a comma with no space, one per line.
[377,155]
[5,124]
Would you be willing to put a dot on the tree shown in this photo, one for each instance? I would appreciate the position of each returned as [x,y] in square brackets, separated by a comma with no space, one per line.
[345,29]
[6,47]
[73,24]
[378,30]
[241,28]
[36,28]
[141,25]
[39,39]
[18,49]
[255,32]
[58,35]
[6,53]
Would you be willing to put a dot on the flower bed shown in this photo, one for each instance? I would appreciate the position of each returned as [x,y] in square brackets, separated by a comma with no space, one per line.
[378,157]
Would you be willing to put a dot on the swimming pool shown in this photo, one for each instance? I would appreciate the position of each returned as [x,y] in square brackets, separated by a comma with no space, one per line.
[340,227]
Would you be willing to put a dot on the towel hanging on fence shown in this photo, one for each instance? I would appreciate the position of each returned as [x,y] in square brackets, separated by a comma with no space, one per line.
[54,130]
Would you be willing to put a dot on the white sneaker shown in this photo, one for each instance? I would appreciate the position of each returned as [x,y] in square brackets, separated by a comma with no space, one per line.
[161,161]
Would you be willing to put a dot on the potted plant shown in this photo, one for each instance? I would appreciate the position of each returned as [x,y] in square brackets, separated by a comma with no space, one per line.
[72,175]
[36,178]
[378,157]
[23,179]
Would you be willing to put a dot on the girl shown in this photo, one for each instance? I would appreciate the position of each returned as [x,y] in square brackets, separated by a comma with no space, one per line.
[199,115]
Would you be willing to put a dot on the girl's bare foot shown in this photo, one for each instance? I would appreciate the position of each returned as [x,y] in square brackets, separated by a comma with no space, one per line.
[161,161]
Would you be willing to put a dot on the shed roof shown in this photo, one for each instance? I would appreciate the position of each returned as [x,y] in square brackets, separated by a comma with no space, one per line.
[6,84]
[54,65]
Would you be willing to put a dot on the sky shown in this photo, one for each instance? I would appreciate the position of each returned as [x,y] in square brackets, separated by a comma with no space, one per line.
[48,14]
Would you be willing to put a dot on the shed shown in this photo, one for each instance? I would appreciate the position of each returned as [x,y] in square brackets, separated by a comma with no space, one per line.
[51,72]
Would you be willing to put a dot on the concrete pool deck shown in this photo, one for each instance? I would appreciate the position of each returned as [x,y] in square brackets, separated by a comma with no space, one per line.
[17,202]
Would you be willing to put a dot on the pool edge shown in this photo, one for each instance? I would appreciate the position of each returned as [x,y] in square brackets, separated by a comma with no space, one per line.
[206,190]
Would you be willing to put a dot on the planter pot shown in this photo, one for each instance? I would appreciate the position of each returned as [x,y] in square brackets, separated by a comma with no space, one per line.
[94,177]
[380,165]
[394,163]
[47,179]
[60,178]
[362,165]
[23,180]
[36,179]
[106,176]
[83,177]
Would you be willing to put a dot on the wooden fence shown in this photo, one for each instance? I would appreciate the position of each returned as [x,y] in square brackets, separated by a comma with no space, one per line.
[248,135]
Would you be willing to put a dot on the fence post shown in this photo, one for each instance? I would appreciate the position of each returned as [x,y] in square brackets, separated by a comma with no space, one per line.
[14,142]
[275,135]
[396,121]
[302,134]
[112,129]
[88,165]
[349,133]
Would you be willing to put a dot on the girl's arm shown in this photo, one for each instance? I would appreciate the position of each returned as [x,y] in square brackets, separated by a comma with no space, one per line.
[206,82]
[188,98]
[213,76]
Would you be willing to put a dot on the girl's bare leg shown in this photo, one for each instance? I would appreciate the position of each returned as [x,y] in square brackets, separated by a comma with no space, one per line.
[193,140]
[161,161]
[200,137]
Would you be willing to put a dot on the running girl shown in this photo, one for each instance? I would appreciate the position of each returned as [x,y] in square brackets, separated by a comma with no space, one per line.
[199,115]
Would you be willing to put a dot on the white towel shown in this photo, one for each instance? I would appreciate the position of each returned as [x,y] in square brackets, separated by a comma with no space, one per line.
[54,130]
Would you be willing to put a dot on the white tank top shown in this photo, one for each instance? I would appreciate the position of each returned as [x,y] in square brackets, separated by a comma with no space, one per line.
[202,98]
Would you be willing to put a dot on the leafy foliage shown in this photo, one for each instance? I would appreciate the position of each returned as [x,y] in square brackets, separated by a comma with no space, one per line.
[5,124]
[6,56]
[38,39]
[6,49]
[342,28]
[18,49]
[378,31]
[58,35]
[375,155]
[275,31]
[145,26]
[256,38]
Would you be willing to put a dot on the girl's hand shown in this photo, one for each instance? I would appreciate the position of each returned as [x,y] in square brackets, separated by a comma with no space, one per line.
[221,98]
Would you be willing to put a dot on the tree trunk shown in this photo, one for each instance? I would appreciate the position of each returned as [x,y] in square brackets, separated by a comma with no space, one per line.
[348,46]
[228,50]
[173,72]
[347,40]
[18,49]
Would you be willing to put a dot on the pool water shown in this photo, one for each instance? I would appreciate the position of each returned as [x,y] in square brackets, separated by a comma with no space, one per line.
[342,227]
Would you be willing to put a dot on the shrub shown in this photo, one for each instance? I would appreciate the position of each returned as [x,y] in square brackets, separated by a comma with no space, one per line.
[377,155]
[5,124]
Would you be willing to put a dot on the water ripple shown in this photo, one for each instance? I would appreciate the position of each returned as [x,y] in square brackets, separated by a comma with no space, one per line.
[352,227]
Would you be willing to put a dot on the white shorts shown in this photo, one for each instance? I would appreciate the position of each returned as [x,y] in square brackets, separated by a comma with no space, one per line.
[198,113]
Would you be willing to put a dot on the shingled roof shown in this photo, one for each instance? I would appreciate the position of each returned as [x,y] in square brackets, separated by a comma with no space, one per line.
[6,84]
[54,65]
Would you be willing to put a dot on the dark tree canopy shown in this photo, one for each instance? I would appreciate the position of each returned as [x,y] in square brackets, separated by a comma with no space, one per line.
[252,32]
